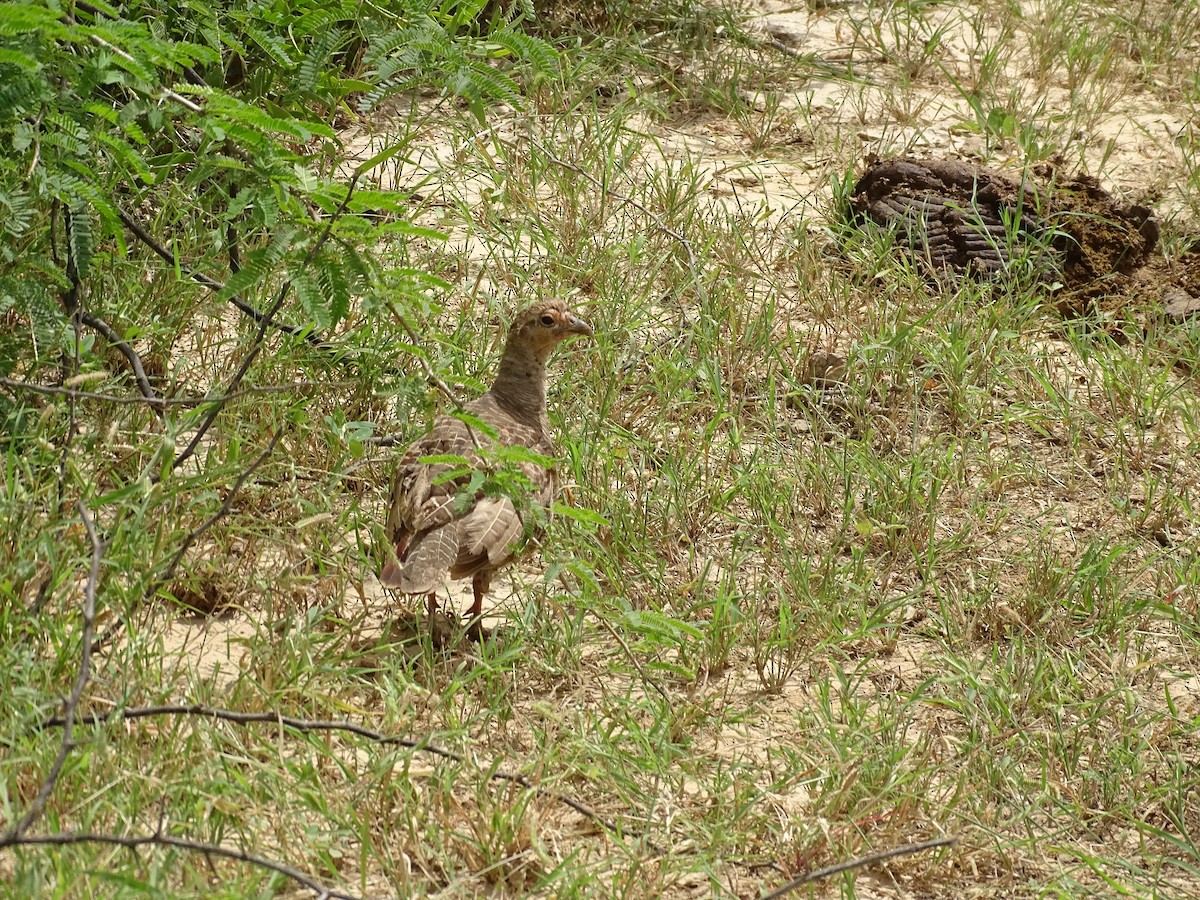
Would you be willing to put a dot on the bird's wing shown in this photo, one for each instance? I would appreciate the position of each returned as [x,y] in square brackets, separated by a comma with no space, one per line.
[433,534]
[489,530]
[429,558]
[417,503]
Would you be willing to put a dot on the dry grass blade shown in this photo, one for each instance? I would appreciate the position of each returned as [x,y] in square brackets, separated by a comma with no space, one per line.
[158,839]
[16,834]
[308,725]
[858,863]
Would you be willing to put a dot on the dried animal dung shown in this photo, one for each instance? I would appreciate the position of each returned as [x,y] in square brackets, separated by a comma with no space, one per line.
[957,219]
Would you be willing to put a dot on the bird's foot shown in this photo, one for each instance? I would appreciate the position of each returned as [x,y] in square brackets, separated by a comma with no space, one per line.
[476,632]
[441,631]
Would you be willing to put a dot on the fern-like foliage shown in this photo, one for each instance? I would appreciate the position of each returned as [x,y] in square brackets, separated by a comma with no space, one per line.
[212,118]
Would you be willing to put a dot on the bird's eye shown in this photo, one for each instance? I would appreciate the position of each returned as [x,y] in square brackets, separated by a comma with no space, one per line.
[547,320]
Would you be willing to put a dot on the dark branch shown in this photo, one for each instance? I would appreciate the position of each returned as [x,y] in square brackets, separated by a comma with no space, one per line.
[231,240]
[158,839]
[194,77]
[70,299]
[257,344]
[38,806]
[190,402]
[191,538]
[200,278]
[308,725]
[212,520]
[80,316]
[131,355]
[70,303]
[839,868]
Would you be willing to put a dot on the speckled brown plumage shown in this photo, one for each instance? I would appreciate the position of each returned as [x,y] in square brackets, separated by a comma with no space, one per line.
[433,535]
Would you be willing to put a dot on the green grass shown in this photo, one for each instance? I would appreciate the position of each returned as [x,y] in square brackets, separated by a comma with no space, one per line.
[954,590]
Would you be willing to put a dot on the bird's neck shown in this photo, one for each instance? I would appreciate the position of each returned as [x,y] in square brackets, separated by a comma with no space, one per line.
[520,385]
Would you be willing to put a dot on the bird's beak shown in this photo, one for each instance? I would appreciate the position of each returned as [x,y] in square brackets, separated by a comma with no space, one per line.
[576,325]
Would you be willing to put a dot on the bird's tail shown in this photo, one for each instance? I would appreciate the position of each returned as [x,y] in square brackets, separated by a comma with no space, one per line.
[390,576]
[419,567]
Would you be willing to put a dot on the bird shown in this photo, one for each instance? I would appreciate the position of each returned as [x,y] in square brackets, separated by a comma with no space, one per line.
[435,531]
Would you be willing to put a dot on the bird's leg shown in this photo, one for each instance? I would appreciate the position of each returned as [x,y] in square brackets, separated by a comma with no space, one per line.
[475,629]
[440,630]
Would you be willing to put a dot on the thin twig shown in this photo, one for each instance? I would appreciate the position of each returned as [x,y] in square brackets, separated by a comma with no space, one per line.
[71,704]
[167,92]
[190,73]
[158,839]
[212,520]
[257,345]
[192,536]
[70,301]
[819,65]
[80,316]
[637,663]
[430,375]
[308,725]
[216,286]
[839,868]
[135,361]
[162,402]
[231,238]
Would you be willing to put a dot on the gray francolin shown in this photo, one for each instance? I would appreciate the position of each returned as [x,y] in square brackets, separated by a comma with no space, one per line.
[436,532]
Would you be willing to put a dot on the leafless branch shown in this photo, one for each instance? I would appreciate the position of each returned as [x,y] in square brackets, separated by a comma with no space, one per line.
[871,859]
[158,839]
[79,316]
[431,376]
[163,402]
[232,248]
[257,344]
[317,725]
[167,92]
[70,301]
[632,657]
[70,298]
[17,833]
[135,362]
[818,65]
[119,626]
[212,520]
[216,286]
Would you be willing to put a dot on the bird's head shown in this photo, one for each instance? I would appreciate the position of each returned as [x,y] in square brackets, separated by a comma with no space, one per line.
[545,325]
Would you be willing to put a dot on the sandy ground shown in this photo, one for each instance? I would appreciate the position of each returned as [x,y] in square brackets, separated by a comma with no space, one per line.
[1132,145]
